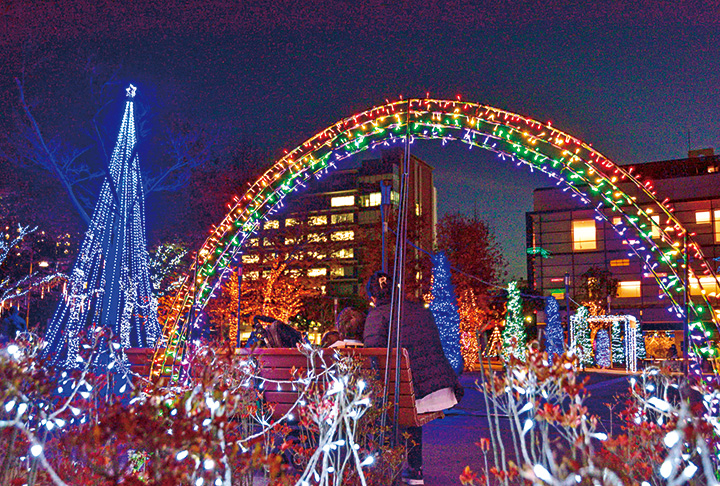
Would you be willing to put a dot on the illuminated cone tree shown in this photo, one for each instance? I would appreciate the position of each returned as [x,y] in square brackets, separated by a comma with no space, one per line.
[554,334]
[445,311]
[514,340]
[109,284]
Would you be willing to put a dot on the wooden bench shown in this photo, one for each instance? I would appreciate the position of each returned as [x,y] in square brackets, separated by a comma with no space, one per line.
[279,363]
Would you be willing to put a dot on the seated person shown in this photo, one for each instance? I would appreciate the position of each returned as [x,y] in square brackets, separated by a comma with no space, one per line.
[276,334]
[348,330]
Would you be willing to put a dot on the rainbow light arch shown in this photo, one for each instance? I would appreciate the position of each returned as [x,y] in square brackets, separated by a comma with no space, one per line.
[586,172]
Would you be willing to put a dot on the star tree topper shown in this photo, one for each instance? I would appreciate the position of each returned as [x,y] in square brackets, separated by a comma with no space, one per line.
[131,91]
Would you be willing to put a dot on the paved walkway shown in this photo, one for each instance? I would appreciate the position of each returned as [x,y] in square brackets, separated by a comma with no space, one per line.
[449,444]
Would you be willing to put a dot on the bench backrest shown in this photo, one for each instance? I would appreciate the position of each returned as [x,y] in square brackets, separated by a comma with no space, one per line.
[279,363]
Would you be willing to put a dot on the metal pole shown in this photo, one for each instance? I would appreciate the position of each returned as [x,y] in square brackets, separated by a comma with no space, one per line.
[27,296]
[686,318]
[567,309]
[385,202]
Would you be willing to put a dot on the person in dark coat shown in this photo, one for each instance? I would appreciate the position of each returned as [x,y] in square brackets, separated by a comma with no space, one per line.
[436,385]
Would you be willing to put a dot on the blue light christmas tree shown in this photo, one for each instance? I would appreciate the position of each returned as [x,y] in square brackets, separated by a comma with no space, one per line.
[109,284]
[602,348]
[445,310]
[514,339]
[554,335]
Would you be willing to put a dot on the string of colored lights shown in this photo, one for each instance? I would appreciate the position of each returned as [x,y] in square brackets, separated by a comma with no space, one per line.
[586,173]
[109,284]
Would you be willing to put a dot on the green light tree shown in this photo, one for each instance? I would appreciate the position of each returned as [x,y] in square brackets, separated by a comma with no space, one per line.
[514,333]
[582,335]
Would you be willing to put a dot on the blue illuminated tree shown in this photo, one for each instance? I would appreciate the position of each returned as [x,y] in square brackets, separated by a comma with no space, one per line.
[109,284]
[602,348]
[554,335]
[445,310]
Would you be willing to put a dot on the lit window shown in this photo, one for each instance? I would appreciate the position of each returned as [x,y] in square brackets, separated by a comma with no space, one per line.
[628,289]
[559,294]
[616,220]
[317,272]
[316,237]
[253,242]
[716,226]
[619,263]
[294,273]
[702,217]
[418,209]
[271,224]
[252,275]
[291,222]
[290,241]
[655,232]
[584,234]
[267,242]
[317,220]
[342,201]
[344,253]
[251,258]
[706,285]
[342,218]
[370,200]
[316,254]
[337,272]
[343,235]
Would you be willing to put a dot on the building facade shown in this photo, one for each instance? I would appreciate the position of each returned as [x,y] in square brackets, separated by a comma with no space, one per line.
[565,236]
[332,232]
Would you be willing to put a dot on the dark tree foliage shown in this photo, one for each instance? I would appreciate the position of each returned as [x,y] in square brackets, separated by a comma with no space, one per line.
[596,286]
[471,247]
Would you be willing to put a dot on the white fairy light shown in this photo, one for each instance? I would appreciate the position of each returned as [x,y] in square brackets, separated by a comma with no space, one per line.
[36,450]
[542,473]
[671,438]
[690,470]
[368,460]
[666,469]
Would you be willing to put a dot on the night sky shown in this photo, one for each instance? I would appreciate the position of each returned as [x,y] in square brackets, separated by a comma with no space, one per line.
[633,79]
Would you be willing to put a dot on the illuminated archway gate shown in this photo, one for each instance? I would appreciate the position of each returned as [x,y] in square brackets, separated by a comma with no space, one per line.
[515,138]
